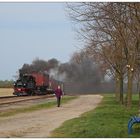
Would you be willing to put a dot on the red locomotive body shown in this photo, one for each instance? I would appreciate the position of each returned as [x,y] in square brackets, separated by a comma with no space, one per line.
[41,79]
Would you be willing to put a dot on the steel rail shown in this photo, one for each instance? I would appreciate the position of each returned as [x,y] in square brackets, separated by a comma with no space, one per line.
[26,99]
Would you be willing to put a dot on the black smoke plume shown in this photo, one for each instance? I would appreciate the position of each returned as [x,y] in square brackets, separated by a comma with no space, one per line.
[78,77]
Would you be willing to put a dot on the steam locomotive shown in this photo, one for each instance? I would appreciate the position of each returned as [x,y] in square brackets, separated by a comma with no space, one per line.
[35,84]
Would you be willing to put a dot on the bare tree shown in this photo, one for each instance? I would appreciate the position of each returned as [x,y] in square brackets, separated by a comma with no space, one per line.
[112,33]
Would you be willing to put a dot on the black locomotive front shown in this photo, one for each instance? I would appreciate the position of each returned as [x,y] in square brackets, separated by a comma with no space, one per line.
[25,85]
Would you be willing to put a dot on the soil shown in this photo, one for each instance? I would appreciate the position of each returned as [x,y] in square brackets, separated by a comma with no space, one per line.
[39,124]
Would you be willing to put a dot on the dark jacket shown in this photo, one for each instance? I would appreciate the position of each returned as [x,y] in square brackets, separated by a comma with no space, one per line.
[58,92]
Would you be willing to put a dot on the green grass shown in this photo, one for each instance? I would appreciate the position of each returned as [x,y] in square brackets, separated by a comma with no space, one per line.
[36,107]
[108,120]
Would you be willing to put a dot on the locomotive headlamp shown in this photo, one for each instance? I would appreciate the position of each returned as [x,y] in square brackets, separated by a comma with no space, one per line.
[19,89]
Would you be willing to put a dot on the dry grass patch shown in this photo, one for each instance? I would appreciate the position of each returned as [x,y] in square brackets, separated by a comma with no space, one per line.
[6,91]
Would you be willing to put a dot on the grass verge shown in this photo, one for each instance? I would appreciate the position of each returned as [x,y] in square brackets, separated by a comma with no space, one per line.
[36,107]
[108,120]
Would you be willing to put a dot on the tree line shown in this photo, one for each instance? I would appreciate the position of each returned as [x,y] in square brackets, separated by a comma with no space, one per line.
[111,32]
[6,83]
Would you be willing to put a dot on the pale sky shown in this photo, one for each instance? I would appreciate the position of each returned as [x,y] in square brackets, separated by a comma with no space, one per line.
[33,30]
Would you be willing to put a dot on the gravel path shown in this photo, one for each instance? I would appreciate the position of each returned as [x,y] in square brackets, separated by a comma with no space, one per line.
[41,123]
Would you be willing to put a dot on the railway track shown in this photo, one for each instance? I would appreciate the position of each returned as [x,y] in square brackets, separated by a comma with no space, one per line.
[16,99]
[3,97]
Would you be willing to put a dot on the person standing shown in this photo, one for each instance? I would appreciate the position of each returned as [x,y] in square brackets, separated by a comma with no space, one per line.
[58,93]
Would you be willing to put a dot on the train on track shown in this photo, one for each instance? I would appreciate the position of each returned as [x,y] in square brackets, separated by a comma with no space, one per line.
[35,84]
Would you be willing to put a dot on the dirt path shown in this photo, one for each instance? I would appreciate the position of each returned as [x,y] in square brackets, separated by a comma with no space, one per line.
[41,123]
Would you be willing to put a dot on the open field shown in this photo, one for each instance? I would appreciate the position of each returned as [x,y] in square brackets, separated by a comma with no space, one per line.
[108,120]
[6,92]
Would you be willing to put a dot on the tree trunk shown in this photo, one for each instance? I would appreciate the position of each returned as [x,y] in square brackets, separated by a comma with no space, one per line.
[117,86]
[121,89]
[138,90]
[129,88]
[139,97]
